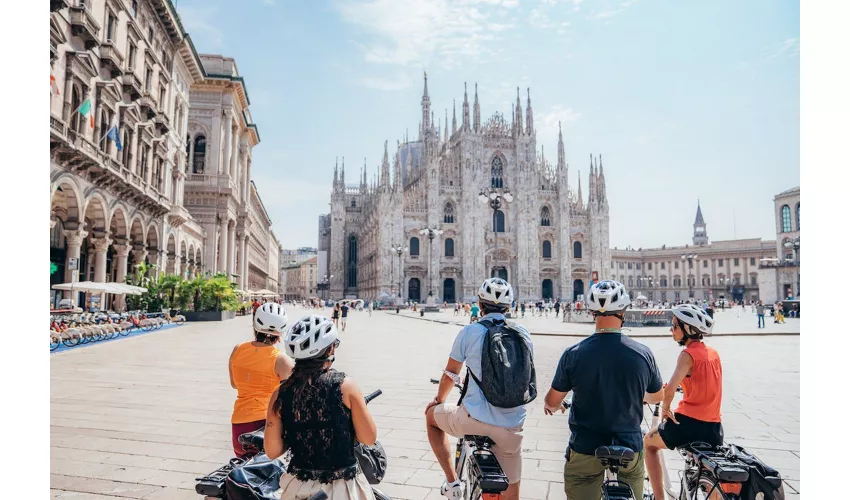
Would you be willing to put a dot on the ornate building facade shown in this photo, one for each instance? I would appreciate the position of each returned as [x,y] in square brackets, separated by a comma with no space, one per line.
[780,277]
[124,79]
[702,271]
[548,241]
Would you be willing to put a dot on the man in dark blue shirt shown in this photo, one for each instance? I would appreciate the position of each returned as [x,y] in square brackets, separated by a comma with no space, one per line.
[610,376]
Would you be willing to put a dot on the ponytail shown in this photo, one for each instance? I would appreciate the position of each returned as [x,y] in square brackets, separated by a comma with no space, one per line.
[303,374]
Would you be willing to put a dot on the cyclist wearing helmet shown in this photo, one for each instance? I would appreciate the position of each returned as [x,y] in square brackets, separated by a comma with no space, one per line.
[475,415]
[319,414]
[610,375]
[256,369]
[698,370]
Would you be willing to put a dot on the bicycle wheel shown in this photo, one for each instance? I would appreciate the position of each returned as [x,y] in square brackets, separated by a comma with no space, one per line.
[54,345]
[707,489]
[71,342]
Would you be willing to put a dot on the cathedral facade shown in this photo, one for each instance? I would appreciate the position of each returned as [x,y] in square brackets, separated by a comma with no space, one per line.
[547,241]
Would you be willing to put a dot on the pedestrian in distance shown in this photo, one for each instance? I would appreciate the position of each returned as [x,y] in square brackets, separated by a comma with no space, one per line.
[343,314]
[335,314]
[760,314]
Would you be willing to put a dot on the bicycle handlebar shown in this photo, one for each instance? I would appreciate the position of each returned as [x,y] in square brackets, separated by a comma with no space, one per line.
[368,398]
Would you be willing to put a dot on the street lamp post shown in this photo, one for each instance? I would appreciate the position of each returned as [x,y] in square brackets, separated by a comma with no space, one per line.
[690,258]
[399,250]
[430,232]
[494,197]
[325,283]
[795,244]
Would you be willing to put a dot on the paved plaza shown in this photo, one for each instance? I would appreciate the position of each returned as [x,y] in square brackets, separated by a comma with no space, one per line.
[143,417]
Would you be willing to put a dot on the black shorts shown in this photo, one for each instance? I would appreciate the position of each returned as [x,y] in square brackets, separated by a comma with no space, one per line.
[690,430]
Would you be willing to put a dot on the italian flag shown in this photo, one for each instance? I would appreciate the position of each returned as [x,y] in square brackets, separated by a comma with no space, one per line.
[85,110]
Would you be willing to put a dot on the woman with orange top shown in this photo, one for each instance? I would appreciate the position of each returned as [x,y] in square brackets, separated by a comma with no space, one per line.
[698,370]
[256,369]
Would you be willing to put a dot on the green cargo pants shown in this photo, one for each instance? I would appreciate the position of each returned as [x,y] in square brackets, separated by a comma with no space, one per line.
[583,476]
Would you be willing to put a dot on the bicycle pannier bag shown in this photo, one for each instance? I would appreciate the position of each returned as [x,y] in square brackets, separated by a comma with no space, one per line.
[763,479]
[372,460]
[257,479]
[508,379]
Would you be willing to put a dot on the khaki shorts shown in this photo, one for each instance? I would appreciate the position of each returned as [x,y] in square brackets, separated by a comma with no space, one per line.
[455,420]
[584,475]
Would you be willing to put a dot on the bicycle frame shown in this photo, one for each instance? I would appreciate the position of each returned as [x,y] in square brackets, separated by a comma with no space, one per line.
[665,480]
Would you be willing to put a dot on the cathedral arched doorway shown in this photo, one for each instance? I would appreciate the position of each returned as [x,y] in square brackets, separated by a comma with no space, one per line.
[547,289]
[351,282]
[499,272]
[449,290]
[578,289]
[414,290]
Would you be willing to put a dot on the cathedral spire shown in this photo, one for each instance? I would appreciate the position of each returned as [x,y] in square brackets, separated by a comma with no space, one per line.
[336,168]
[602,195]
[580,200]
[454,117]
[397,169]
[518,117]
[465,112]
[342,174]
[562,161]
[385,168]
[476,112]
[591,185]
[529,115]
[425,127]
[446,134]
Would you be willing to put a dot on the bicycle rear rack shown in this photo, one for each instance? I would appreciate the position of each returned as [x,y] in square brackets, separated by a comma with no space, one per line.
[486,467]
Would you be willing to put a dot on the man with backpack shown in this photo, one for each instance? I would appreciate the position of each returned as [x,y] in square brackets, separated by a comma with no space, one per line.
[500,381]
[610,376]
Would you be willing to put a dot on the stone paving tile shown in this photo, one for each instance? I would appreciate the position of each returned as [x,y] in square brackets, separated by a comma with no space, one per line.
[119,406]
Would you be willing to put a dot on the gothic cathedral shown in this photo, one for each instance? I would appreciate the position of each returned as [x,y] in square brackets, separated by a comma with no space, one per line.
[546,241]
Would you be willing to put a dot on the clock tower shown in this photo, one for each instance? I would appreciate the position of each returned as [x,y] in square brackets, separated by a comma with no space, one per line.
[700,234]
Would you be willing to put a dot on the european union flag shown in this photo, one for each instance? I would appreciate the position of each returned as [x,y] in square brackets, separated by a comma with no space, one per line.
[112,135]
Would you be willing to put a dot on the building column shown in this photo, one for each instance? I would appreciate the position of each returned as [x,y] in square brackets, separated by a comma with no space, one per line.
[243,261]
[139,255]
[149,173]
[228,142]
[234,156]
[231,251]
[209,248]
[74,242]
[247,179]
[222,247]
[134,150]
[122,252]
[101,246]
[171,263]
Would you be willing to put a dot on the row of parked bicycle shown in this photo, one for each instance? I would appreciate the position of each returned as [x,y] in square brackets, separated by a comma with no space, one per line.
[75,329]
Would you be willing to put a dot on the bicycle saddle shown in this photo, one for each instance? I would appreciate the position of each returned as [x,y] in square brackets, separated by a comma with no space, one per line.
[253,439]
[480,441]
[615,453]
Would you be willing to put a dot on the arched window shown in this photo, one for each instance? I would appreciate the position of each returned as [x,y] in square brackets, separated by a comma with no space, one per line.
[352,261]
[414,246]
[545,217]
[677,281]
[353,203]
[499,221]
[449,213]
[631,281]
[786,219]
[450,247]
[547,249]
[798,216]
[577,250]
[662,282]
[200,154]
[496,172]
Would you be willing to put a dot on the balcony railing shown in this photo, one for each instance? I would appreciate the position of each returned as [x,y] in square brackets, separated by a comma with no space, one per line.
[132,84]
[148,105]
[778,264]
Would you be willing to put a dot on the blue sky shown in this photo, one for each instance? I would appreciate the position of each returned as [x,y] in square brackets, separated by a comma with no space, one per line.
[684,100]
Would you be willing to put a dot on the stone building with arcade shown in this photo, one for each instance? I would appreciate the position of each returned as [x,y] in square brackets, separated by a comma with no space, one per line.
[145,165]
[549,240]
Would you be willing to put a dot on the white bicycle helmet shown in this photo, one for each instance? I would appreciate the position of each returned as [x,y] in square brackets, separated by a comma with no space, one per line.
[309,336]
[695,317]
[608,296]
[496,291]
[271,319]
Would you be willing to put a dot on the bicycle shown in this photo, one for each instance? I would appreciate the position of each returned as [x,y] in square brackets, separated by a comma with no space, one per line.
[212,487]
[476,465]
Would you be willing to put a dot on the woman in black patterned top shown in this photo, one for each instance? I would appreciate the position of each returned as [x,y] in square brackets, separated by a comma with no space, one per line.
[318,413]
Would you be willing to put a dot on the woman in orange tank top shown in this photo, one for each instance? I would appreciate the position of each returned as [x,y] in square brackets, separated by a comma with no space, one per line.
[698,370]
[256,369]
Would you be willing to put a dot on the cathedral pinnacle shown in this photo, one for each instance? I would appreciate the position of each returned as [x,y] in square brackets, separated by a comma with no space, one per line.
[518,116]
[529,115]
[385,168]
[454,117]
[465,109]
[476,112]
[562,162]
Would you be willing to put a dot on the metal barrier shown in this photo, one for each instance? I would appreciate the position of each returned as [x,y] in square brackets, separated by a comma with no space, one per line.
[649,317]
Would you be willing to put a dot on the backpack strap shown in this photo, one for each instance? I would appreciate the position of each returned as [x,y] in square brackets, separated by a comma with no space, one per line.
[488,324]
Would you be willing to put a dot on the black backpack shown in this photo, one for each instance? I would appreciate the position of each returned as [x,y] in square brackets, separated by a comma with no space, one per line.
[508,379]
[763,479]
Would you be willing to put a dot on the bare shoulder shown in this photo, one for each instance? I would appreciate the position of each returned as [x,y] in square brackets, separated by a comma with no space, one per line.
[685,358]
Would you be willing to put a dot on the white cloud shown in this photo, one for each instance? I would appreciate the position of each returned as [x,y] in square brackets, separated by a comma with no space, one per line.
[539,20]
[397,82]
[198,20]
[613,11]
[789,48]
[416,33]
[558,113]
